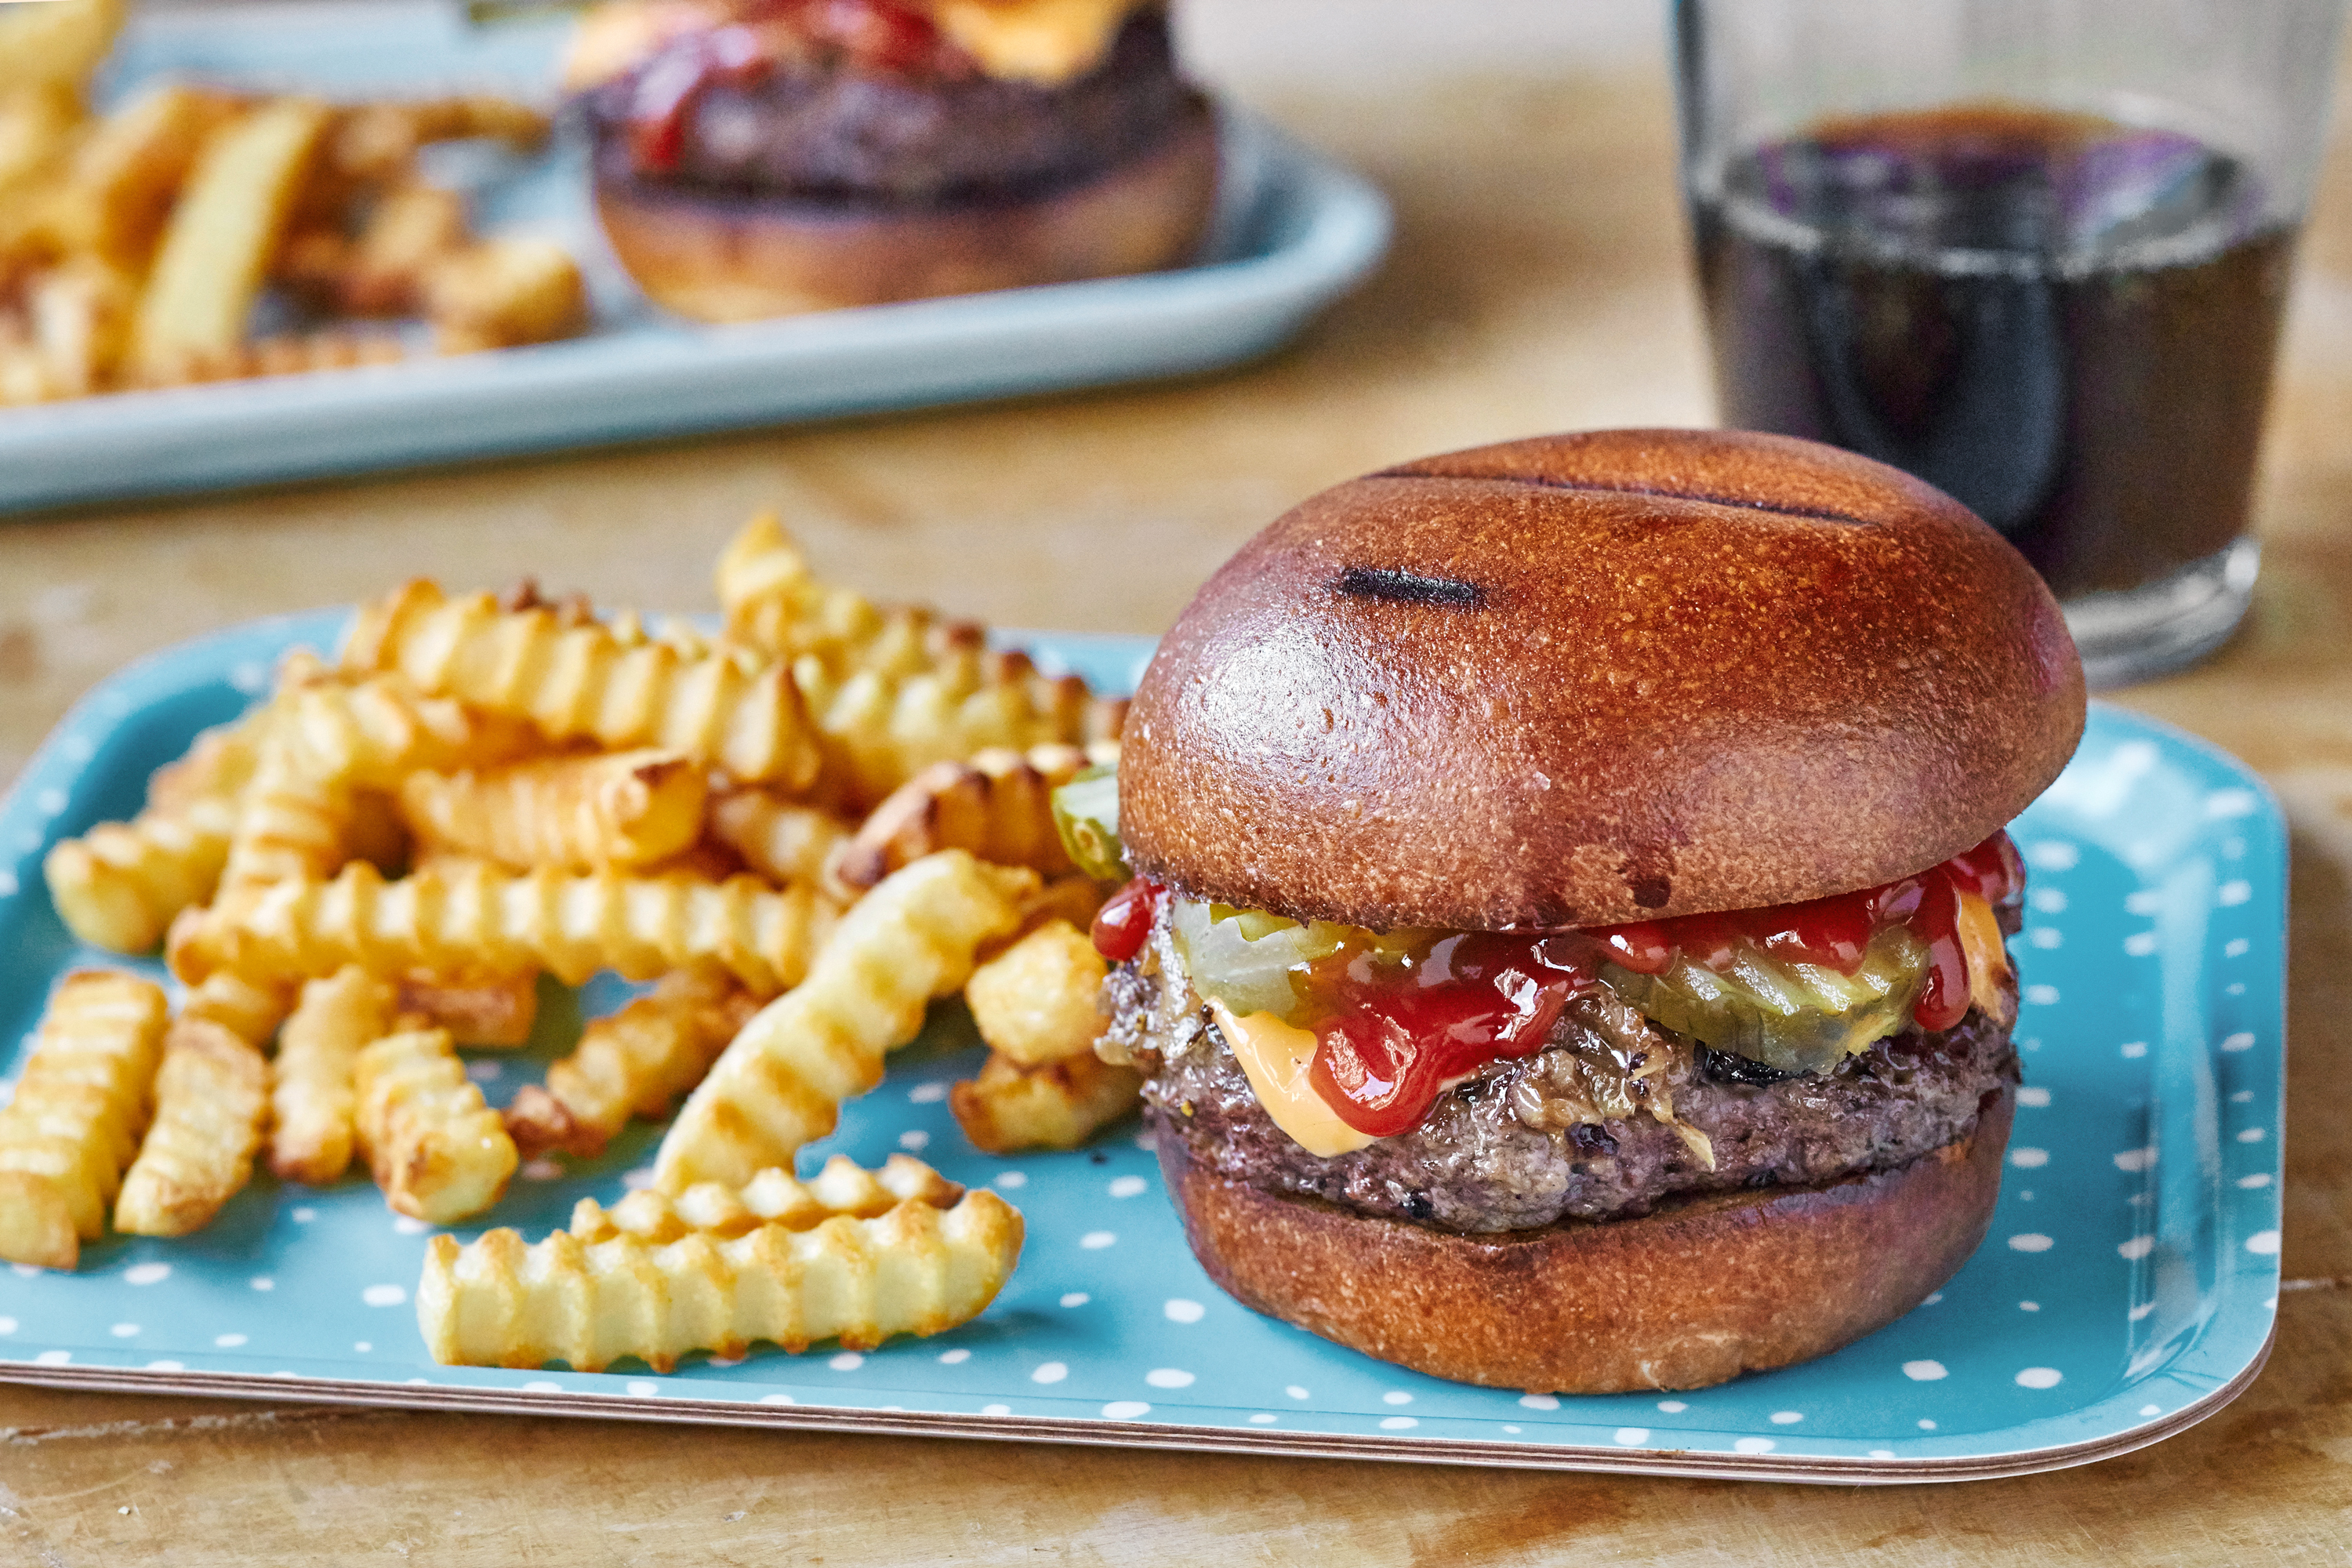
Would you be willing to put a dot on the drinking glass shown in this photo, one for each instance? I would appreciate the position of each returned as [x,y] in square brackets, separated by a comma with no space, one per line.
[2034,252]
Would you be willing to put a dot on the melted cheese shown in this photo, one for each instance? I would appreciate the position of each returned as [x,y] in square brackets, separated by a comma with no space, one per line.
[1047,42]
[1991,986]
[1275,1058]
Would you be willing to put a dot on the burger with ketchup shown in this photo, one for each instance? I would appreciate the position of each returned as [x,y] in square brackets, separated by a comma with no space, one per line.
[756,158]
[1566,945]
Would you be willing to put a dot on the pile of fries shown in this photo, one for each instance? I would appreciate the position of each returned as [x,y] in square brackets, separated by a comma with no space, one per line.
[803,830]
[134,247]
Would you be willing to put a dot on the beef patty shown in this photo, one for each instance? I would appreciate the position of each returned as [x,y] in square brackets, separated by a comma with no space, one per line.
[832,132]
[1477,1163]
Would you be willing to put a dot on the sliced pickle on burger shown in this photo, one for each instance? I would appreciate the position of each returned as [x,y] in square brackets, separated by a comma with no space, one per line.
[1247,959]
[1086,813]
[1797,1017]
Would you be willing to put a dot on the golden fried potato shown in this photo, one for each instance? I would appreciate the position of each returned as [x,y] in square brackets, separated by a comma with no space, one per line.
[998,805]
[915,1270]
[313,1094]
[493,1011]
[227,225]
[60,42]
[877,730]
[375,730]
[212,1096]
[1052,1105]
[584,812]
[412,229]
[249,1009]
[634,1063]
[439,1153]
[782,841]
[1040,1000]
[445,919]
[503,292]
[577,682]
[80,1106]
[119,884]
[127,175]
[771,1198]
[781,1083]
[291,823]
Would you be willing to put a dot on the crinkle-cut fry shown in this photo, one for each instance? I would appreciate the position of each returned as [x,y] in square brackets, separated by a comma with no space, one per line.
[1039,1000]
[631,630]
[877,730]
[250,1009]
[633,1063]
[119,885]
[448,917]
[998,805]
[777,608]
[771,1198]
[782,841]
[374,731]
[617,808]
[495,1011]
[311,1091]
[438,1151]
[81,1105]
[212,1096]
[578,682]
[915,1269]
[1053,1105]
[225,229]
[291,823]
[219,765]
[780,1082]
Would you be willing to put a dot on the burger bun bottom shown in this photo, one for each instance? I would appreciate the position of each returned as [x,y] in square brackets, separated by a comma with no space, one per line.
[723,257]
[1694,1293]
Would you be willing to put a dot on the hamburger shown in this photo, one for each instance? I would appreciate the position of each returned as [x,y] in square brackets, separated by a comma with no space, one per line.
[1566,941]
[756,158]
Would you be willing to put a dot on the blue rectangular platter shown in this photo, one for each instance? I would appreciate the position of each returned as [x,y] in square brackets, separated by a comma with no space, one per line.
[2127,1289]
[1294,231]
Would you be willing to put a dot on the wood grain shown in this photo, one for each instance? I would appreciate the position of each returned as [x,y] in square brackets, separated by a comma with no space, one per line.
[1539,283]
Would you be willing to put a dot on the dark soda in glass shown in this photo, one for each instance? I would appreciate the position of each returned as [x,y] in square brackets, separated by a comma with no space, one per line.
[2065,321]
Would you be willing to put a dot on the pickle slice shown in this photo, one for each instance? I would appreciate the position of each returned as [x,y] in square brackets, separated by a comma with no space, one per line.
[1086,814]
[1247,959]
[1798,1017]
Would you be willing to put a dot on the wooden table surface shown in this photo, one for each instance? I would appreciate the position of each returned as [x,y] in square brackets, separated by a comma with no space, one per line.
[1539,282]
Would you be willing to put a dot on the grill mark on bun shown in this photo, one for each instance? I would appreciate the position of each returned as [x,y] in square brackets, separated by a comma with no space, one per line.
[1662,492]
[1403,587]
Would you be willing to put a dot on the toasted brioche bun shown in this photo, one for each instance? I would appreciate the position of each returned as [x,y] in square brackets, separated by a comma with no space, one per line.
[1583,679]
[725,257]
[1693,1294]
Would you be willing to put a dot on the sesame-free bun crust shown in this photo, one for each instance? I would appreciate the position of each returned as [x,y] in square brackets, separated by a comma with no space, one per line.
[1693,1294]
[1589,678]
[719,256]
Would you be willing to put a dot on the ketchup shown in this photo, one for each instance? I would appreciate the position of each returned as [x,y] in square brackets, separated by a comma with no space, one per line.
[877,36]
[1401,1033]
[1122,923]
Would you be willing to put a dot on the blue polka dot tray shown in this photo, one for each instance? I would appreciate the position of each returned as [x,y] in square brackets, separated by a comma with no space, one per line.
[2127,1289]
